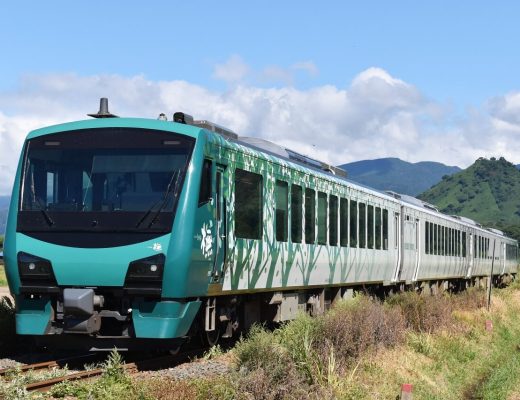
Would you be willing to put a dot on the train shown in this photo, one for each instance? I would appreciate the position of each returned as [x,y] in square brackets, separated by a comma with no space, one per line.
[131,231]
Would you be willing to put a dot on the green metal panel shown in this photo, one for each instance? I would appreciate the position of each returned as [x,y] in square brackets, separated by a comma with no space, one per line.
[32,316]
[143,123]
[163,320]
[90,267]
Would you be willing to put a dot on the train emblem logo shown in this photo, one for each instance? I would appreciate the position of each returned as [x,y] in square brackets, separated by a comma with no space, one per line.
[156,247]
[206,243]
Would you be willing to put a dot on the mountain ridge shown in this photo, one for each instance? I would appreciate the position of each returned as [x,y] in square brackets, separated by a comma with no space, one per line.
[400,176]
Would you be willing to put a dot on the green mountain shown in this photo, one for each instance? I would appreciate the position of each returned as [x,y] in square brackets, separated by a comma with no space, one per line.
[488,191]
[398,175]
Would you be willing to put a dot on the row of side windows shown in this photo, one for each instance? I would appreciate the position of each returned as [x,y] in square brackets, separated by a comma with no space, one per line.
[354,217]
[444,241]
[481,247]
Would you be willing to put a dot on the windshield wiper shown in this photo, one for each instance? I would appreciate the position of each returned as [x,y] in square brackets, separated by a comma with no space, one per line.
[162,200]
[48,218]
[170,189]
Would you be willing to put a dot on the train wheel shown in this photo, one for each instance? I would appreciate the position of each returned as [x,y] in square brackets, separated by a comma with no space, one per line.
[175,350]
[212,337]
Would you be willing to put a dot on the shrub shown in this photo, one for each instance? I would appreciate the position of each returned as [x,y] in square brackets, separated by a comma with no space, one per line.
[424,313]
[354,327]
[7,326]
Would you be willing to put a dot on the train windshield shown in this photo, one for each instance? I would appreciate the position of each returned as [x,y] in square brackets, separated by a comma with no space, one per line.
[104,178]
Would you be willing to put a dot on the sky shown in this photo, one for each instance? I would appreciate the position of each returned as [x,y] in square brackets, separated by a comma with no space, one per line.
[341,81]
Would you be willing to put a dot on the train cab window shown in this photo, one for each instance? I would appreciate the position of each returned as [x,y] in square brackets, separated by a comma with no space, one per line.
[296,213]
[282,208]
[362,225]
[385,229]
[333,220]
[378,228]
[343,222]
[205,183]
[310,216]
[248,205]
[322,218]
[426,231]
[463,244]
[370,227]
[353,223]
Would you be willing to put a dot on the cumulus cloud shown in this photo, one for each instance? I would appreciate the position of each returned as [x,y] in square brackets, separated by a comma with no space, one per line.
[377,115]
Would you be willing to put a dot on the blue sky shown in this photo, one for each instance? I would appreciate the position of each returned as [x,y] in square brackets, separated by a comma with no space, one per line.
[464,51]
[342,81]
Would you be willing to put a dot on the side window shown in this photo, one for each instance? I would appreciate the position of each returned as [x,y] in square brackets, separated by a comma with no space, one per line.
[282,206]
[310,216]
[248,205]
[353,223]
[426,237]
[385,229]
[322,218]
[333,220]
[370,226]
[205,183]
[463,244]
[344,221]
[438,239]
[362,225]
[378,228]
[296,213]
[432,238]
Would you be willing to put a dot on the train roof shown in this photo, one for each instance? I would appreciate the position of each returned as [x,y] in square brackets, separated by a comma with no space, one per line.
[185,124]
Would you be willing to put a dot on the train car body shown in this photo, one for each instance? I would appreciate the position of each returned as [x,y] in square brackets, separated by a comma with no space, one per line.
[122,229]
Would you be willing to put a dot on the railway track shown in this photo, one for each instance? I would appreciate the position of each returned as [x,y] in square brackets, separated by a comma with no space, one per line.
[43,385]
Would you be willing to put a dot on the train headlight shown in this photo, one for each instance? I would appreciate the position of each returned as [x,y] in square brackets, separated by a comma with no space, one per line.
[34,269]
[148,269]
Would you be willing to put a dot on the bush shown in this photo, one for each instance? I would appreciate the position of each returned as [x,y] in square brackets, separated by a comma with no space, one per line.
[424,313]
[7,326]
[354,327]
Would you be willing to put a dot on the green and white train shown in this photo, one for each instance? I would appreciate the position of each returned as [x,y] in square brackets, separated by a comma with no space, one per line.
[122,230]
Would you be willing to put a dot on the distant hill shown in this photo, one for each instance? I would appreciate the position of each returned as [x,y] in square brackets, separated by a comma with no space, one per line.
[488,191]
[398,175]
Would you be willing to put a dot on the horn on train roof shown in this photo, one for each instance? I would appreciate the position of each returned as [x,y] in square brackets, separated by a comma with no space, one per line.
[103,110]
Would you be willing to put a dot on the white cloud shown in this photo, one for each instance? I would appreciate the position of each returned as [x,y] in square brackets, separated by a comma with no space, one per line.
[378,115]
[232,71]
[307,66]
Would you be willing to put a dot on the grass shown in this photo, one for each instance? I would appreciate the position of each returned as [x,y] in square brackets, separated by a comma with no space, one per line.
[3,279]
[361,349]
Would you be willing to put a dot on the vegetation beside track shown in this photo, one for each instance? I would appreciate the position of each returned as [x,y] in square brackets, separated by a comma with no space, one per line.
[361,349]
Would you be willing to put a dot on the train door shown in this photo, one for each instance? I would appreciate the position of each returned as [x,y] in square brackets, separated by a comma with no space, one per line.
[417,248]
[221,222]
[504,253]
[471,255]
[409,247]
[397,246]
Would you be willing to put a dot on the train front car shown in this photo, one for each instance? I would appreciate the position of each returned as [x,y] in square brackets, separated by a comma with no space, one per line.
[100,235]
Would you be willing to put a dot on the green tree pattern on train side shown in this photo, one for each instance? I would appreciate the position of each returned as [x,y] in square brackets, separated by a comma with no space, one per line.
[268,263]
